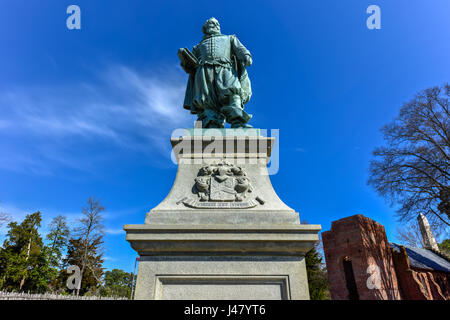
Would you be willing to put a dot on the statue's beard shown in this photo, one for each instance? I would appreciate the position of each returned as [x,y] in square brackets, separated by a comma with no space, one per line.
[212,30]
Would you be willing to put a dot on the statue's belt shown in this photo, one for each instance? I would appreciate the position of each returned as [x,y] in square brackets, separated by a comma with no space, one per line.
[225,64]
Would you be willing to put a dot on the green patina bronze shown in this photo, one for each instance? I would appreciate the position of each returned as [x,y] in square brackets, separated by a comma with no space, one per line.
[218,85]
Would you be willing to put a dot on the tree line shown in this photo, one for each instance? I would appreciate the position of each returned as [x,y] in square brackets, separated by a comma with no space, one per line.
[29,263]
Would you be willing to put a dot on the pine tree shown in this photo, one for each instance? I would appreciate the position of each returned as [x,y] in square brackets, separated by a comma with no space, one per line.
[23,261]
[317,276]
[57,239]
[444,246]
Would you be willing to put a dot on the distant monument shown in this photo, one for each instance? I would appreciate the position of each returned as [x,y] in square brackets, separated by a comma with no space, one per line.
[429,241]
[218,85]
[222,232]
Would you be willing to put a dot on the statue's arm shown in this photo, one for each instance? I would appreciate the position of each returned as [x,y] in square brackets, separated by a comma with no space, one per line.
[183,65]
[188,60]
[241,51]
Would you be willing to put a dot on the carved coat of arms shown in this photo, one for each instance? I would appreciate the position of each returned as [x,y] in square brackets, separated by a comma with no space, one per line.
[222,185]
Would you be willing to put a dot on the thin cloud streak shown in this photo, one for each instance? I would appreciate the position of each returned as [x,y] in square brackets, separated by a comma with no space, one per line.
[18,215]
[122,109]
[114,231]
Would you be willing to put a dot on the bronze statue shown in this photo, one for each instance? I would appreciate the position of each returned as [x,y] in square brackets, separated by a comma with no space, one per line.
[218,85]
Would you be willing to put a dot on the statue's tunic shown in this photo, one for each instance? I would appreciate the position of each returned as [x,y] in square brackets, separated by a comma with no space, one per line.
[221,74]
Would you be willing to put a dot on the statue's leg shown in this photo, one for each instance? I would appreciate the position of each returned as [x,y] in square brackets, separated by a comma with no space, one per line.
[211,119]
[235,114]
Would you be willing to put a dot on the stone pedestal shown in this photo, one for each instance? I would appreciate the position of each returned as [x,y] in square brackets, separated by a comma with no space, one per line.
[222,232]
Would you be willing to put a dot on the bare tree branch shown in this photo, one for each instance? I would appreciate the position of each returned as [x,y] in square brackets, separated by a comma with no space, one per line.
[413,169]
[4,218]
[409,234]
[90,230]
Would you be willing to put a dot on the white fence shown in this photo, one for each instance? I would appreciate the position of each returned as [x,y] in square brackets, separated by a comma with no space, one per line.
[50,296]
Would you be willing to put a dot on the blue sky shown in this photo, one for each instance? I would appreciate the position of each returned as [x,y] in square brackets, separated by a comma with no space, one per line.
[90,112]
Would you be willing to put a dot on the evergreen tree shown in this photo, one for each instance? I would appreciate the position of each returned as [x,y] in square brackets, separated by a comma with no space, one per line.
[57,243]
[23,260]
[317,276]
[117,283]
[444,247]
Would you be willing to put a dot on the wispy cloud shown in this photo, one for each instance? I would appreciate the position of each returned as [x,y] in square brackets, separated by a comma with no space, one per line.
[121,108]
[18,214]
[299,149]
[108,258]
[114,231]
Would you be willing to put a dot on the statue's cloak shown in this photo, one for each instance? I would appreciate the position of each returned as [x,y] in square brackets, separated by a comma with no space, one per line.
[220,73]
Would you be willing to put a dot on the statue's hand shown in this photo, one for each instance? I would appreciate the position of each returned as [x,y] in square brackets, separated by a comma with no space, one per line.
[248,60]
[184,68]
[187,69]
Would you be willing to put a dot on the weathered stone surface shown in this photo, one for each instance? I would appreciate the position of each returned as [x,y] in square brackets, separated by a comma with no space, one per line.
[225,277]
[222,232]
[429,241]
[212,147]
[218,239]
[217,217]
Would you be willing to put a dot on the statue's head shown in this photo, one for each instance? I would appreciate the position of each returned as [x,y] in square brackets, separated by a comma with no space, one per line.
[211,26]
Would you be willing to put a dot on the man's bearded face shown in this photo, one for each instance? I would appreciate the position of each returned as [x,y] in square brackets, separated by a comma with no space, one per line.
[211,27]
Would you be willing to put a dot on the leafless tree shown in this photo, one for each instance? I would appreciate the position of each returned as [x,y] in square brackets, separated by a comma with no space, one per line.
[90,231]
[4,218]
[413,169]
[409,234]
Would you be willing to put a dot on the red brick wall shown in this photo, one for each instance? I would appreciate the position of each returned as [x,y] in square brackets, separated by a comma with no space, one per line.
[420,284]
[364,242]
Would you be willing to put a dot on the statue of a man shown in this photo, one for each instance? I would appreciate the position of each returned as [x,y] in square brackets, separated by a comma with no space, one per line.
[218,85]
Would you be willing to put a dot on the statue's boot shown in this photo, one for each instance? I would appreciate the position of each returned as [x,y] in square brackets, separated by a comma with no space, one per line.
[211,119]
[235,114]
